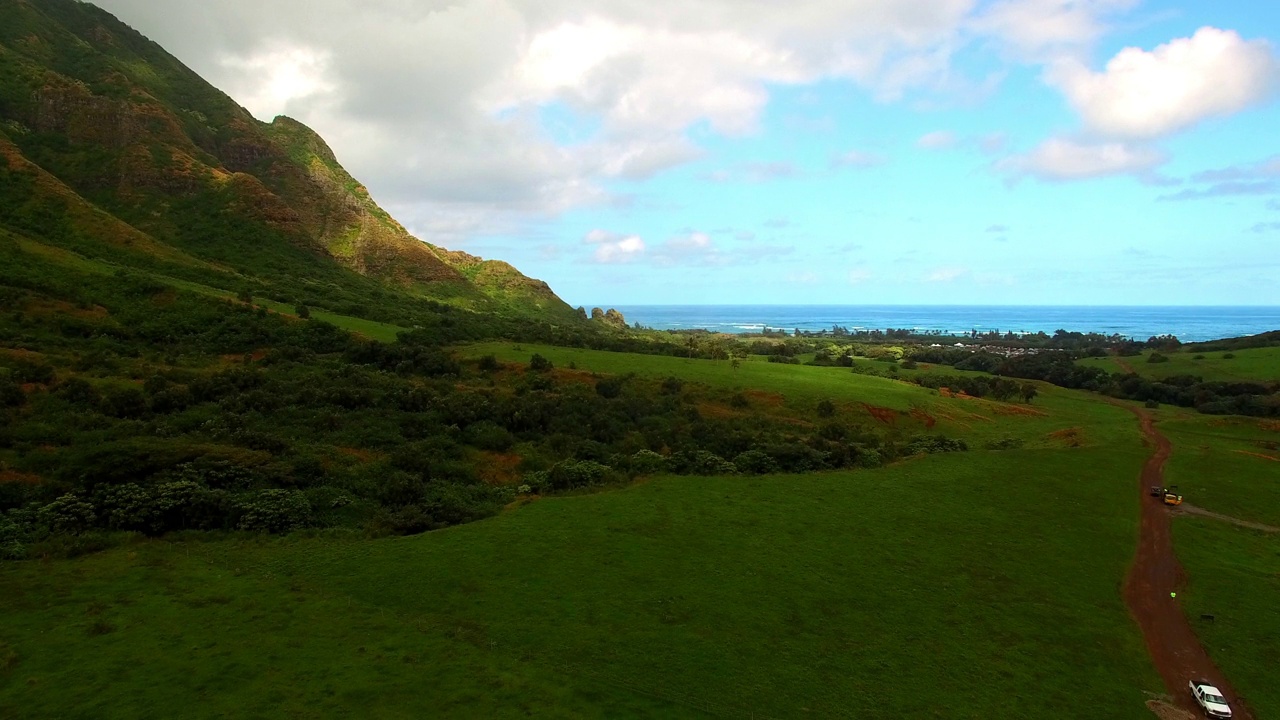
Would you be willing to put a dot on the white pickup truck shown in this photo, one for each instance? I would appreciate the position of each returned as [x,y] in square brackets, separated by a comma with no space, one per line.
[1210,698]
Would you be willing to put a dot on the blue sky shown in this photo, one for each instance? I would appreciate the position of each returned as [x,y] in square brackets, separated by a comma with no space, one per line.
[864,151]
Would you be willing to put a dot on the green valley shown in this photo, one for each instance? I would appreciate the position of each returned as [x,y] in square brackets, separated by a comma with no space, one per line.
[264,453]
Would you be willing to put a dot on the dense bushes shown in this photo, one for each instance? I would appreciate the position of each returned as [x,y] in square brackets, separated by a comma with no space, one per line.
[181,414]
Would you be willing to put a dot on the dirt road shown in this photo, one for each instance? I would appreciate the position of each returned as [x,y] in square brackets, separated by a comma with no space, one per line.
[1175,650]
[1189,509]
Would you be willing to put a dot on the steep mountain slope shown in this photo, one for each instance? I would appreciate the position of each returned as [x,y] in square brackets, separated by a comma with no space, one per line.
[114,149]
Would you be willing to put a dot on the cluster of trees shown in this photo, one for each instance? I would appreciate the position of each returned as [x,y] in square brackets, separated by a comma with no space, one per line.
[154,411]
[1218,398]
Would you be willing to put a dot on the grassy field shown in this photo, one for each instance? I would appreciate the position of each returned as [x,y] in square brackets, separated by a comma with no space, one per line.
[1234,575]
[1255,364]
[934,588]
[969,584]
[1230,465]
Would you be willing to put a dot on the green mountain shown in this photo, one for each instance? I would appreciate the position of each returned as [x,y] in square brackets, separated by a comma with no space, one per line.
[114,150]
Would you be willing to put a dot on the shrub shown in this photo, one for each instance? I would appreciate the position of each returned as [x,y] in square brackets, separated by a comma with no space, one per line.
[1228,356]
[672,386]
[1156,357]
[739,400]
[303,311]
[78,391]
[537,363]
[11,394]
[67,514]
[1007,443]
[700,462]
[128,403]
[489,363]
[129,507]
[755,462]
[610,387]
[870,459]
[275,511]
[488,436]
[572,474]
[910,365]
[453,504]
[826,409]
[646,462]
[935,444]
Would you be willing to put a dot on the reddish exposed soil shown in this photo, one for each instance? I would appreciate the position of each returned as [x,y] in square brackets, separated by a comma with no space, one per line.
[1008,409]
[1071,437]
[13,476]
[769,399]
[888,416]
[923,416]
[1174,648]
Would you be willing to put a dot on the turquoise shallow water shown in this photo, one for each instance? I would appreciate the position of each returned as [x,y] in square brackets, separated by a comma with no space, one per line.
[1190,324]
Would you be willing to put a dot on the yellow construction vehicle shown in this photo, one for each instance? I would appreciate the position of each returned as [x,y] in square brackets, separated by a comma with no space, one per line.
[1167,495]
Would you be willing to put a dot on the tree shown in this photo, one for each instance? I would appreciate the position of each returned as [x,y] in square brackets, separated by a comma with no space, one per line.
[303,311]
[691,343]
[1028,392]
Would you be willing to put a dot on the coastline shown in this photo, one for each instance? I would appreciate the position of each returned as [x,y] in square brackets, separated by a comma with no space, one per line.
[1188,323]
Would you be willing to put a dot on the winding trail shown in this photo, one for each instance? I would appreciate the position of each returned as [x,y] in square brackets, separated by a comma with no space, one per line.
[1175,650]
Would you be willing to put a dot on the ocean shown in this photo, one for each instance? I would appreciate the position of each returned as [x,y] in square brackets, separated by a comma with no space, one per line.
[1189,324]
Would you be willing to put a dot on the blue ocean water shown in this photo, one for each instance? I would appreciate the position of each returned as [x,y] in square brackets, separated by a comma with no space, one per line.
[1189,324]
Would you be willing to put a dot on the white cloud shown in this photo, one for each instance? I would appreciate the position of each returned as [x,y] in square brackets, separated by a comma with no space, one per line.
[804,278]
[938,140]
[858,276]
[1148,94]
[754,172]
[1039,29]
[993,143]
[612,248]
[857,159]
[1065,159]
[284,75]
[946,274]
[437,106]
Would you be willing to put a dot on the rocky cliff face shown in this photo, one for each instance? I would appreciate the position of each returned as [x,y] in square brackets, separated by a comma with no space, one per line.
[126,127]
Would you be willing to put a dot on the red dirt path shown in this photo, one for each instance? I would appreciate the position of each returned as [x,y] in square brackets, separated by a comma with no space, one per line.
[1174,648]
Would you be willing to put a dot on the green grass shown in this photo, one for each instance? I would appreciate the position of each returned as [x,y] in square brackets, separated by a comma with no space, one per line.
[156,631]
[934,588]
[384,332]
[1221,464]
[1250,365]
[801,387]
[1234,575]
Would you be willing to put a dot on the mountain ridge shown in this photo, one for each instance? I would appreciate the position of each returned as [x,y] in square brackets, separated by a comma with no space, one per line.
[95,119]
